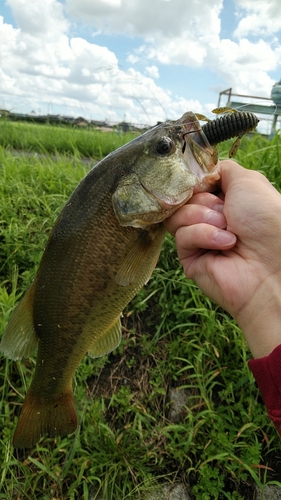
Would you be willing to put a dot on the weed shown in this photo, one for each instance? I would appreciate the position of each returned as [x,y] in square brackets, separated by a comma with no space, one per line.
[57,140]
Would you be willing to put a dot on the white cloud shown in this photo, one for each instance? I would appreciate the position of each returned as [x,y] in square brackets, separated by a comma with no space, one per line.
[175,51]
[188,34]
[44,64]
[133,59]
[146,18]
[258,17]
[175,32]
[83,77]
[245,65]
[40,19]
[152,71]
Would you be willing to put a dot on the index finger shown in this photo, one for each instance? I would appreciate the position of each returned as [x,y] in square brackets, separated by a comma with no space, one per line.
[201,208]
[209,200]
[194,213]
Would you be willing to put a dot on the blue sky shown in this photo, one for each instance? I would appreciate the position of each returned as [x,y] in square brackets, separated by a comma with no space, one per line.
[142,60]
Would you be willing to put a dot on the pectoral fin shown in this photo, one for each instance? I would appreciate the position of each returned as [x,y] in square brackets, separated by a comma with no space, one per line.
[19,339]
[134,260]
[108,341]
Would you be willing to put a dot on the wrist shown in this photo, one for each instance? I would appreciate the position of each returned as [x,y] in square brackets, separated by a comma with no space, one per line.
[260,320]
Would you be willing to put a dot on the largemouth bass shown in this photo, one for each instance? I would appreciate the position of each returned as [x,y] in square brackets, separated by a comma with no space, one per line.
[101,251]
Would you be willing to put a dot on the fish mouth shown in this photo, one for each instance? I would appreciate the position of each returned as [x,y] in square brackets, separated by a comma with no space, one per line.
[170,203]
[194,139]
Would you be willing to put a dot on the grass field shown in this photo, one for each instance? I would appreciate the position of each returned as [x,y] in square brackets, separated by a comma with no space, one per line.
[175,340]
[73,142]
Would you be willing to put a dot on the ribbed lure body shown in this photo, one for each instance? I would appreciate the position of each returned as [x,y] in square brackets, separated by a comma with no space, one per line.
[232,123]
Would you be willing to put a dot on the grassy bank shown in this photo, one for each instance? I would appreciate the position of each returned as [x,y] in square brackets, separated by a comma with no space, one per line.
[175,341]
[75,142]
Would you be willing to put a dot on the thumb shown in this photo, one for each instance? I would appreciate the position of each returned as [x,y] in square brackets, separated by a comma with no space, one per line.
[230,173]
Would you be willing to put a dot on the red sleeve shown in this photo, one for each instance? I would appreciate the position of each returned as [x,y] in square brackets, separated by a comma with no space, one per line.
[267,372]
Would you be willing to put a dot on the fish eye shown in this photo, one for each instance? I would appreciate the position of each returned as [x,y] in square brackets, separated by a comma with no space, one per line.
[164,146]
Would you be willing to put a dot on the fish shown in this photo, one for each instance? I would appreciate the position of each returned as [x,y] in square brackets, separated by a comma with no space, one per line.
[102,249]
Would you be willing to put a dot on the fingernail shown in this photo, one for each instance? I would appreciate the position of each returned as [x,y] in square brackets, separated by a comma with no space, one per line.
[225,238]
[216,219]
[219,207]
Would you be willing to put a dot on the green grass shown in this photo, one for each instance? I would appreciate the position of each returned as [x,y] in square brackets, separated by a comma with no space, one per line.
[174,337]
[89,143]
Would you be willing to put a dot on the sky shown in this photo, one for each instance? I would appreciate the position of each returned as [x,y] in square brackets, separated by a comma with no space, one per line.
[142,61]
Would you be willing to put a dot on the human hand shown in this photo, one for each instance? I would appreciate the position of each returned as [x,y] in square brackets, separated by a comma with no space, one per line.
[230,245]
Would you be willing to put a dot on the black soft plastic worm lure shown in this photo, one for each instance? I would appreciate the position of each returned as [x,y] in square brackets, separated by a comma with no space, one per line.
[232,124]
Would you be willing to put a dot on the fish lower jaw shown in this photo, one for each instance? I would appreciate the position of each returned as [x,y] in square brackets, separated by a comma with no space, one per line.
[209,182]
[169,207]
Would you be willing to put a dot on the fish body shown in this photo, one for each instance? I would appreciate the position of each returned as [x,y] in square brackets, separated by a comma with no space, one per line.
[101,251]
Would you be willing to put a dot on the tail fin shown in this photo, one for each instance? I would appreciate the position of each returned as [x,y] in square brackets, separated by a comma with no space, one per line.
[55,417]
